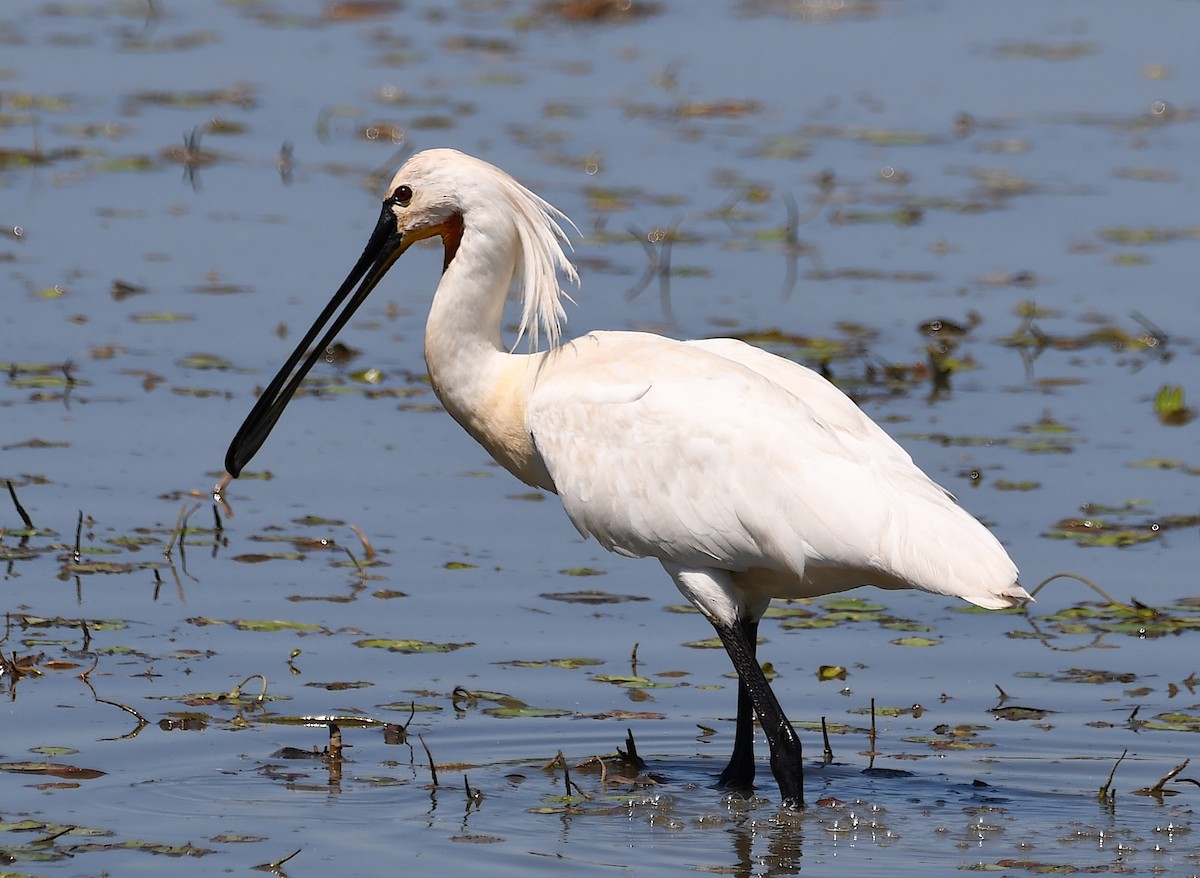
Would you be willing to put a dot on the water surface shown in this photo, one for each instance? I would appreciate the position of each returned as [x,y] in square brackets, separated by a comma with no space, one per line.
[183,185]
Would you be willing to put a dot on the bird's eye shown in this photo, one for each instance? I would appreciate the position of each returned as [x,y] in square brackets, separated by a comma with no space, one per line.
[403,195]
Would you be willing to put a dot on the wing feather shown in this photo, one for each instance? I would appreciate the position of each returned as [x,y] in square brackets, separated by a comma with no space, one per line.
[719,454]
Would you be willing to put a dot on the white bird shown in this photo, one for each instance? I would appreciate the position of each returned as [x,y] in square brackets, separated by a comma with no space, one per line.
[748,476]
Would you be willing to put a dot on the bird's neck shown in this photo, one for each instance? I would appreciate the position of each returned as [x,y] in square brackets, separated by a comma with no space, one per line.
[462,334]
[482,385]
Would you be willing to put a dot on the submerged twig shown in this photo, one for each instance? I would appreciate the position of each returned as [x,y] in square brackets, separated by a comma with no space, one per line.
[277,865]
[366,544]
[48,839]
[180,524]
[474,797]
[567,782]
[333,752]
[629,756]
[1107,794]
[872,727]
[825,736]
[432,767]
[12,492]
[235,694]
[1139,610]
[142,721]
[353,560]
[1157,790]
[603,772]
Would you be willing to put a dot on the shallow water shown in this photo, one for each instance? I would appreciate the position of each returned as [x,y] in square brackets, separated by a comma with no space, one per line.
[1036,161]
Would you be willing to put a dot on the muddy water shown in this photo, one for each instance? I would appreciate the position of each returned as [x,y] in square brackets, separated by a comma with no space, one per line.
[182,186]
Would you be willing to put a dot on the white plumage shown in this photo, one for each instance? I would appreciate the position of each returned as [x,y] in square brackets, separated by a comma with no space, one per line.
[747,475]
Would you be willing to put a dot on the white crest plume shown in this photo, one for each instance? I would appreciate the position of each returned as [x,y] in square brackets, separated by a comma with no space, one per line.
[541,258]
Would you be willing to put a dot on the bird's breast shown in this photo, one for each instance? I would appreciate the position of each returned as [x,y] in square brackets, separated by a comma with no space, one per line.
[496,420]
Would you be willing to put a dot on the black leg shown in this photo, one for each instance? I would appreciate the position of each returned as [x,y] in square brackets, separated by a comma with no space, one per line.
[739,773]
[787,762]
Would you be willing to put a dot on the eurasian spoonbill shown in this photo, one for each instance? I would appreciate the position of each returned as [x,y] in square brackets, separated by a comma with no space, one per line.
[748,476]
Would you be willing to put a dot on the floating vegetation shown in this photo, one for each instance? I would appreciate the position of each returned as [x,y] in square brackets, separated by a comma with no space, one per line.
[1117,527]
[594,11]
[241,96]
[30,158]
[1167,463]
[1170,409]
[591,597]
[872,136]
[1130,236]
[1067,51]
[1030,335]
[568,663]
[1051,443]
[409,647]
[1092,618]
[804,348]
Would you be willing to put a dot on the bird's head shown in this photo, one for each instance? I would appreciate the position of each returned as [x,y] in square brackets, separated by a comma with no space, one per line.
[436,193]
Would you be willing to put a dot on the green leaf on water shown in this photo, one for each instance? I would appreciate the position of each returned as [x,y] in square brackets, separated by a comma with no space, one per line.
[1173,722]
[233,838]
[162,317]
[591,597]
[916,641]
[527,712]
[791,624]
[1009,485]
[88,567]
[318,521]
[853,616]
[274,625]
[134,543]
[905,625]
[788,611]
[339,685]
[387,594]
[569,663]
[1169,406]
[853,605]
[1166,463]
[406,706]
[204,361]
[53,769]
[1020,714]
[883,710]
[44,381]
[631,682]
[1095,677]
[409,647]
